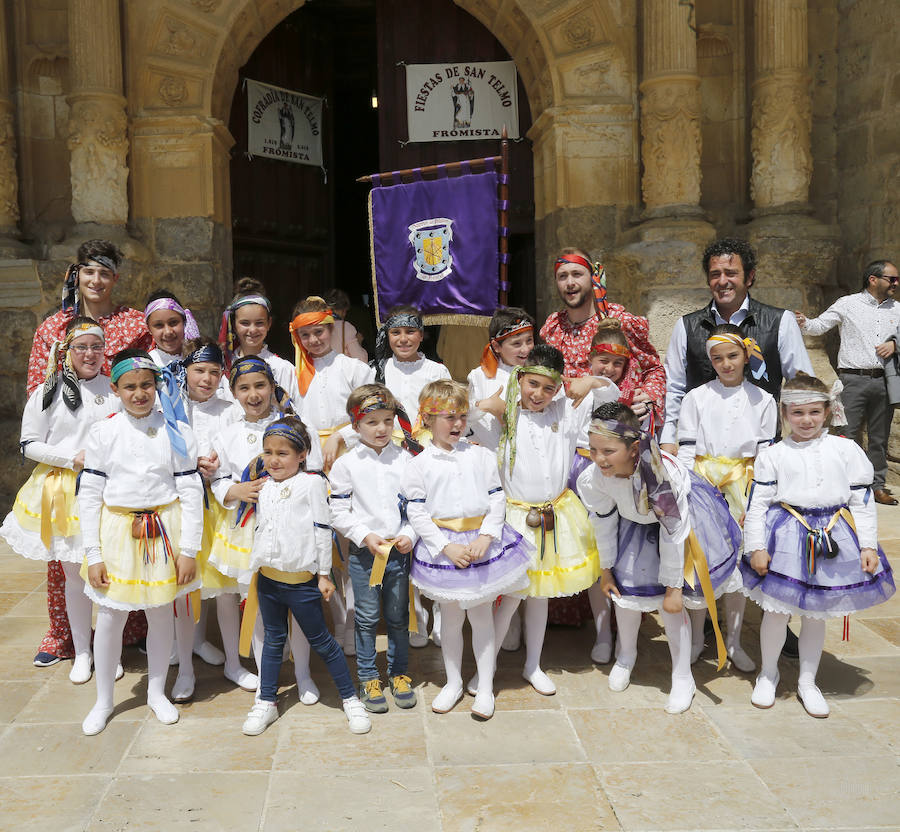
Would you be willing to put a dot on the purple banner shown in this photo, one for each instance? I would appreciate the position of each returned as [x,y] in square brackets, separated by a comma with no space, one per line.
[435,246]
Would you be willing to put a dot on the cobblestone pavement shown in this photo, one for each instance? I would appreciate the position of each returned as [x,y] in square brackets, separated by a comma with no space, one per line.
[584,759]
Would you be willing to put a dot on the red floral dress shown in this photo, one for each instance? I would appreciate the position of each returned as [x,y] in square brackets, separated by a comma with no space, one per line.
[123,328]
[645,372]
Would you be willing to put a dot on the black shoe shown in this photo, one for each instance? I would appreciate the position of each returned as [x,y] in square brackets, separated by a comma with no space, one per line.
[791,647]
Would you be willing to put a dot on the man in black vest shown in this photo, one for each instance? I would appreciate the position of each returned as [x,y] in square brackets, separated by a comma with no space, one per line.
[730,267]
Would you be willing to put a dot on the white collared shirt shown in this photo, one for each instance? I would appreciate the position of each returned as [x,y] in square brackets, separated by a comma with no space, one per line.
[56,435]
[365,493]
[209,419]
[825,471]
[725,421]
[163,358]
[864,323]
[293,531]
[405,379]
[461,482]
[791,351]
[283,371]
[325,403]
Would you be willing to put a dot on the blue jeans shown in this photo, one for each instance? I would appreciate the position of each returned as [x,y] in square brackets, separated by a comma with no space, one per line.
[276,599]
[393,595]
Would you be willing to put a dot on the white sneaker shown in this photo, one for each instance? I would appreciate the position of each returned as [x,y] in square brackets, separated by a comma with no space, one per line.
[418,640]
[540,681]
[512,641]
[211,654]
[164,711]
[619,677]
[740,659]
[307,691]
[446,700]
[261,716]
[120,672]
[96,720]
[681,695]
[601,652]
[357,716]
[242,677]
[183,689]
[483,706]
[763,695]
[81,669]
[812,699]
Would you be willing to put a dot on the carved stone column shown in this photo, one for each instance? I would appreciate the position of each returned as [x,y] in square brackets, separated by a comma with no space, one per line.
[670,110]
[98,138]
[9,180]
[782,110]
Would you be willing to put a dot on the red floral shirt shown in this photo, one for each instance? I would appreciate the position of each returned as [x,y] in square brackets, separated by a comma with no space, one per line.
[645,370]
[123,328]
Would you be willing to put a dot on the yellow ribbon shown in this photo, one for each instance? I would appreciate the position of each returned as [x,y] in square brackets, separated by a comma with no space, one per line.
[251,610]
[741,468]
[585,452]
[461,524]
[379,564]
[695,560]
[54,500]
[843,511]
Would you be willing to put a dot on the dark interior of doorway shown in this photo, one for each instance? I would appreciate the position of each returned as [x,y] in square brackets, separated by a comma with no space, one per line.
[300,234]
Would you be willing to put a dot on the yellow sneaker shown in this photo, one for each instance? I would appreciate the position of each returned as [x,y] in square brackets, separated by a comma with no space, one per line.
[371,695]
[404,695]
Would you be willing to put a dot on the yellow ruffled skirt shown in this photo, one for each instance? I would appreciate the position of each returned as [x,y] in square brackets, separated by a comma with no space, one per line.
[43,523]
[229,551]
[570,561]
[141,573]
[213,582]
[731,476]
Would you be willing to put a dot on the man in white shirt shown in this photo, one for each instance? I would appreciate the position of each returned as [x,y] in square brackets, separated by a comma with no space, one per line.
[730,267]
[867,321]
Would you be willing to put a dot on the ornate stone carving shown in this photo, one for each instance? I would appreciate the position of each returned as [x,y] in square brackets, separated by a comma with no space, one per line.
[173,91]
[179,39]
[206,5]
[98,144]
[670,149]
[578,31]
[780,140]
[9,183]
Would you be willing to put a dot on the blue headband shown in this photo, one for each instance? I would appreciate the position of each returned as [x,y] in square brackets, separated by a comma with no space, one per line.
[250,364]
[206,354]
[288,432]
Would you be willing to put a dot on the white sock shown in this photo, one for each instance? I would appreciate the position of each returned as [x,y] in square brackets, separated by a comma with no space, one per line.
[299,649]
[735,602]
[602,612]
[502,616]
[107,651]
[452,618]
[78,608]
[811,641]
[160,632]
[772,633]
[184,637]
[697,621]
[678,634]
[200,628]
[228,614]
[421,613]
[535,628]
[629,623]
[481,620]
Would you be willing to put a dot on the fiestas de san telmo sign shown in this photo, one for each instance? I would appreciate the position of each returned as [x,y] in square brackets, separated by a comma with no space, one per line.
[453,102]
[283,124]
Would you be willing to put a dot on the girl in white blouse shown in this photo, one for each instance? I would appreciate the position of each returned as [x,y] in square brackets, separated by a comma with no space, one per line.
[722,426]
[55,426]
[810,539]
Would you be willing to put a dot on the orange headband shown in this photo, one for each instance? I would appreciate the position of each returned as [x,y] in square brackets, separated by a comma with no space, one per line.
[489,359]
[302,359]
[615,349]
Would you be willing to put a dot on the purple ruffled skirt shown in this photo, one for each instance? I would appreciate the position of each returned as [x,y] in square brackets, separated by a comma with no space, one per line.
[637,565]
[837,587]
[503,569]
[579,463]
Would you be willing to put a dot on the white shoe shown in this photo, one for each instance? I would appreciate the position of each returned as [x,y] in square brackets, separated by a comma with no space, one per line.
[740,659]
[681,695]
[243,678]
[183,689]
[540,681]
[209,653]
[512,641]
[261,716]
[601,652]
[120,672]
[81,669]
[96,720]
[472,686]
[696,650]
[307,691]
[418,640]
[619,677]
[763,695]
[165,711]
[483,706]
[446,700]
[812,699]
[357,716]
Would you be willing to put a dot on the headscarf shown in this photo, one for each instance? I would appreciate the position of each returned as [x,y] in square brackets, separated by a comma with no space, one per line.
[748,345]
[71,390]
[653,491]
[382,343]
[832,399]
[377,401]
[191,330]
[598,280]
[207,353]
[227,335]
[71,297]
[302,359]
[255,469]
[169,397]
[255,364]
[488,357]
[514,404]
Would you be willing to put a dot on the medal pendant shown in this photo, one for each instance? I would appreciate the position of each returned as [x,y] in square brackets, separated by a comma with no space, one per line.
[285,493]
[98,399]
[251,438]
[555,427]
[151,432]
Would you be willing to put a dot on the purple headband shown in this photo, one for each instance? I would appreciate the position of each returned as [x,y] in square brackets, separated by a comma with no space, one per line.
[191,330]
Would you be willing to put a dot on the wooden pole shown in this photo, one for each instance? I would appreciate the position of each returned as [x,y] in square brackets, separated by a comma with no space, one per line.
[450,167]
[504,217]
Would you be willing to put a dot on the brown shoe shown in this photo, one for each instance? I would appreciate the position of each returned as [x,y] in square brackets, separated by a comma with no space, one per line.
[881,496]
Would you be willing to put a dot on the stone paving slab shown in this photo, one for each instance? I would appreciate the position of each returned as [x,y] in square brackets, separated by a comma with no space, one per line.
[585,759]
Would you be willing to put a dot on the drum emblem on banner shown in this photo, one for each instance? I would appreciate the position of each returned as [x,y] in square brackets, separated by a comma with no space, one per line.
[431,240]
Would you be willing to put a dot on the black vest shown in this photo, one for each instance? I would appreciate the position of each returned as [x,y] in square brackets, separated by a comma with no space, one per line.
[762,323]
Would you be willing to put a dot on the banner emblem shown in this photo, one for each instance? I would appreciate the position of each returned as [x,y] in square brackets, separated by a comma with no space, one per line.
[431,240]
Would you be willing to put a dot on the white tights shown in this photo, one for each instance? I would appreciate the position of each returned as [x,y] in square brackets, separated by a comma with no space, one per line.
[735,602]
[483,646]
[535,621]
[78,608]
[678,634]
[602,612]
[772,632]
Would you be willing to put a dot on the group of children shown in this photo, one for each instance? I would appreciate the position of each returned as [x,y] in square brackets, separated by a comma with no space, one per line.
[216,469]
